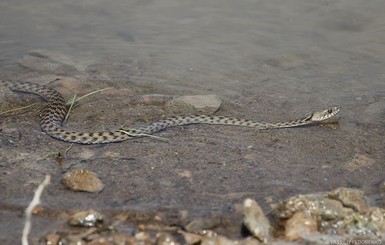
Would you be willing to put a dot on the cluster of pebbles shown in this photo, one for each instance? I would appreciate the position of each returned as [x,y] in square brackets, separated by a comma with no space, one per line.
[342,215]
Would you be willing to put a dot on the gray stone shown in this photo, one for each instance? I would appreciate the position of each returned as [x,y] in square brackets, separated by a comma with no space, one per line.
[206,104]
[256,221]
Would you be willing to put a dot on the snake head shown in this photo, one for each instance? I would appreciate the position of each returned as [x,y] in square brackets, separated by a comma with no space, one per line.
[320,116]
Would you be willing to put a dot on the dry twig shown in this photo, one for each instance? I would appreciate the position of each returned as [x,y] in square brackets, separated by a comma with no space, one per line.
[28,212]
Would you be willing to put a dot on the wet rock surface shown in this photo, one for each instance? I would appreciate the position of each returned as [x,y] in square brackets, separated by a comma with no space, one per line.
[138,174]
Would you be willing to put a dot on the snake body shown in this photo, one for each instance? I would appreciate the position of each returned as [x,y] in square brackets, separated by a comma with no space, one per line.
[53,114]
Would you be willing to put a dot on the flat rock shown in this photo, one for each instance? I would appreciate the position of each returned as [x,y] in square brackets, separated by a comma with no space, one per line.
[45,60]
[41,60]
[206,104]
[203,224]
[351,198]
[359,161]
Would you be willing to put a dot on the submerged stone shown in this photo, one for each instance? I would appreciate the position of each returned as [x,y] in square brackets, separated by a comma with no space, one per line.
[205,104]
[82,180]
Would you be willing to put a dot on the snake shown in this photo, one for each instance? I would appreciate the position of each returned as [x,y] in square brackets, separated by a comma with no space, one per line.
[53,114]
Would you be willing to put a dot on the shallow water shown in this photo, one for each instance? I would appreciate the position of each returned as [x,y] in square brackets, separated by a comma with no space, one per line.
[271,60]
[313,49]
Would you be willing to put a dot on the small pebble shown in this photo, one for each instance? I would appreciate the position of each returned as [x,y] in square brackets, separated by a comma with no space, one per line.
[82,180]
[52,239]
[165,239]
[89,218]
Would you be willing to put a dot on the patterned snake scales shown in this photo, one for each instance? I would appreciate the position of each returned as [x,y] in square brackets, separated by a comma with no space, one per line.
[53,114]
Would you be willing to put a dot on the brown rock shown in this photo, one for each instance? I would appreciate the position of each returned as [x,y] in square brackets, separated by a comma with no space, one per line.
[300,225]
[82,180]
[351,198]
[191,238]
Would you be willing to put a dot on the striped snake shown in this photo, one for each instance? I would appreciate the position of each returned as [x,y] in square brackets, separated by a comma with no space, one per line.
[54,112]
